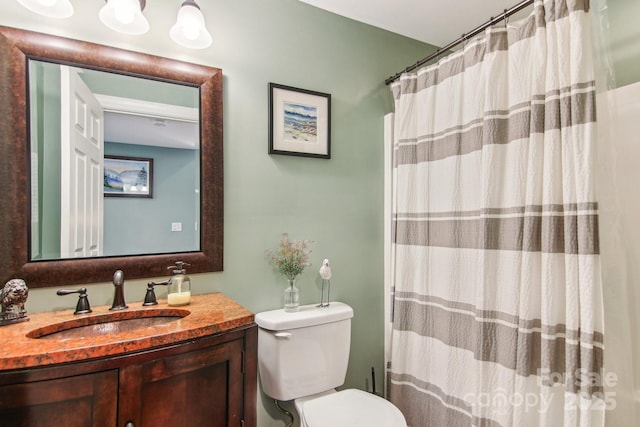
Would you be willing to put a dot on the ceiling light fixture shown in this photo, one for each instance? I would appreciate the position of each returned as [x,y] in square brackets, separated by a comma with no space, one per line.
[190,30]
[125,16]
[50,8]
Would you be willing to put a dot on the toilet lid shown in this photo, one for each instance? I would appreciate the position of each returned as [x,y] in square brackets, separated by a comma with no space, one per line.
[352,408]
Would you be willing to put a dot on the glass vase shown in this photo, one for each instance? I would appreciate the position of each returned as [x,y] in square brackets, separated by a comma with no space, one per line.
[291,296]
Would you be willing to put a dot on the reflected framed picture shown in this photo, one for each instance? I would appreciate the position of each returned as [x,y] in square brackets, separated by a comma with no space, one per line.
[299,122]
[128,177]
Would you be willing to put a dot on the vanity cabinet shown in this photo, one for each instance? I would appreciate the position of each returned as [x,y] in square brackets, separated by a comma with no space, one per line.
[208,381]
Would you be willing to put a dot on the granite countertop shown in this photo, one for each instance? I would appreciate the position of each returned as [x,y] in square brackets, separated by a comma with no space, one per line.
[209,314]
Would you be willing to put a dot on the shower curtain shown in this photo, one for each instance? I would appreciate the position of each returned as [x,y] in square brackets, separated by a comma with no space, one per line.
[497,311]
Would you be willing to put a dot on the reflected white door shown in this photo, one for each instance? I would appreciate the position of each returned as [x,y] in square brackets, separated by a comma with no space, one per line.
[82,158]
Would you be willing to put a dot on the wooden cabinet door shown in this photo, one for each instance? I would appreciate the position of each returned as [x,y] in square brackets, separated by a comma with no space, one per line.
[202,388]
[77,401]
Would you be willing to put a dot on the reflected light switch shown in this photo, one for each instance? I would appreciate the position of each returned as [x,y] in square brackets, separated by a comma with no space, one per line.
[176,226]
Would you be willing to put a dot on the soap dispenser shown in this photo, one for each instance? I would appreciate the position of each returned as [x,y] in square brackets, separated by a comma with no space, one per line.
[179,292]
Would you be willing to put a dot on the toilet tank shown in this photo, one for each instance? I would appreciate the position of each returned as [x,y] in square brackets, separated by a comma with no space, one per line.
[305,352]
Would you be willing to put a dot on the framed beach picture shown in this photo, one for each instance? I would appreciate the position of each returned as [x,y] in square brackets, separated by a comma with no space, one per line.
[299,122]
[128,176]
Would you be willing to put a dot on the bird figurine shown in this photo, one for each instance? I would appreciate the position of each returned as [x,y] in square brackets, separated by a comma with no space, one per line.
[325,273]
[325,270]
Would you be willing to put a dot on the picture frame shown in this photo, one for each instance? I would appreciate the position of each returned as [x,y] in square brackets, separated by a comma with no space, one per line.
[299,122]
[128,176]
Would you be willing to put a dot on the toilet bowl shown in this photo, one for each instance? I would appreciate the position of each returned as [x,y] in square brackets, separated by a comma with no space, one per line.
[303,356]
[348,408]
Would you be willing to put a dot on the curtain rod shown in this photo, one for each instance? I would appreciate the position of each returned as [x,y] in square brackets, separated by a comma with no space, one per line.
[504,15]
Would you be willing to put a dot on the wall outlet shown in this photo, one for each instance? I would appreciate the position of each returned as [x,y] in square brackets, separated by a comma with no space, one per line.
[176,226]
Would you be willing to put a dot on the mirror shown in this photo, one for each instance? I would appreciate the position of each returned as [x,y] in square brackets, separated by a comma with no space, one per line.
[32,233]
[122,153]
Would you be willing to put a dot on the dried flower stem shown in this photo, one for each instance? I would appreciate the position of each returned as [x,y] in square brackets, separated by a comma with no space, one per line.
[291,258]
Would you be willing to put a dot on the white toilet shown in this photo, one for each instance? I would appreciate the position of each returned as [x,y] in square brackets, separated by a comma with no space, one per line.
[303,356]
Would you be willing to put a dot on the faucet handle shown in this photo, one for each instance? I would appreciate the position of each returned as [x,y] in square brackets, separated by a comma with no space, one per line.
[150,296]
[83,305]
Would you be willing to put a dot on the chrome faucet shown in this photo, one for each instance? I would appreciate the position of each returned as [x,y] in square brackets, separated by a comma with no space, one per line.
[118,296]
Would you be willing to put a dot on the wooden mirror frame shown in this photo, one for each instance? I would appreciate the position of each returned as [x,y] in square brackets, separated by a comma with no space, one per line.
[16,48]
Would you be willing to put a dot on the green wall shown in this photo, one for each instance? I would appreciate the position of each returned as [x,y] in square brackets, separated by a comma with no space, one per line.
[175,196]
[624,40]
[142,89]
[44,79]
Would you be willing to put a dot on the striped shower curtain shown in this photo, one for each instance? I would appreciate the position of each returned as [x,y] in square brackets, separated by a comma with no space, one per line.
[497,313]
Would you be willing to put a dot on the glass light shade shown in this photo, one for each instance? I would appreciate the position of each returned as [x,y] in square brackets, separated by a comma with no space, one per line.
[190,29]
[124,16]
[50,8]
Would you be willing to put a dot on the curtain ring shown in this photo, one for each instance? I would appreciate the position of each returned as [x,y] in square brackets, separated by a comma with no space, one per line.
[506,18]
